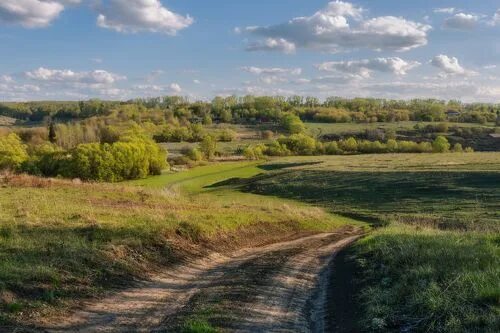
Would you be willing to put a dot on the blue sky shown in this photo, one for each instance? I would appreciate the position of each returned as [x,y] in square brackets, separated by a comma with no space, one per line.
[119,49]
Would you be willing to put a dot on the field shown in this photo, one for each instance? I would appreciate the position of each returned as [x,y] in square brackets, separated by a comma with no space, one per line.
[436,266]
[425,210]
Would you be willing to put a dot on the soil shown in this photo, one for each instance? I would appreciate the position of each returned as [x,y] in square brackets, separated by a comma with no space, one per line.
[281,287]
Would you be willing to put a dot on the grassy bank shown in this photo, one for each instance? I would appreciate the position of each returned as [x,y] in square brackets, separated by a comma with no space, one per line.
[62,241]
[428,281]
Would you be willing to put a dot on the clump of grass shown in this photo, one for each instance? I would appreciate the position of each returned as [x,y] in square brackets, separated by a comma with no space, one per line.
[198,326]
[429,281]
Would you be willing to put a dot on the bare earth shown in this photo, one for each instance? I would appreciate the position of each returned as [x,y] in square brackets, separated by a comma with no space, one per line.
[275,288]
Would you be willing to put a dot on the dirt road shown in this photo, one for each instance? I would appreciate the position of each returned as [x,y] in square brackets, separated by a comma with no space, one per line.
[275,288]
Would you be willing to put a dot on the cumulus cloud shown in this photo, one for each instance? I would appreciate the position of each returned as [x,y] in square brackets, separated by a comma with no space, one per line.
[461,21]
[449,65]
[272,71]
[141,15]
[32,13]
[272,44]
[96,77]
[330,30]
[447,10]
[364,68]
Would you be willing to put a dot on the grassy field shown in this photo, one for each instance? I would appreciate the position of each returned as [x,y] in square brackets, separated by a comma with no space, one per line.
[62,241]
[436,267]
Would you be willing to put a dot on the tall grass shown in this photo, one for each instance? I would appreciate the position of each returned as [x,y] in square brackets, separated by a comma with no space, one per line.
[429,281]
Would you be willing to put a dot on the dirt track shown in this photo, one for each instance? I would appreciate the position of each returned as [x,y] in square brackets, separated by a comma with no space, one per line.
[276,288]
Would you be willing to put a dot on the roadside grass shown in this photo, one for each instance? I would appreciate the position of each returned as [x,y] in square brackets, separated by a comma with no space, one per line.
[436,267]
[429,281]
[62,241]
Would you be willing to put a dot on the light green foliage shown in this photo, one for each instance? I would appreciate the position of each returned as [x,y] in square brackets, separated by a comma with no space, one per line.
[227,135]
[300,144]
[12,152]
[132,158]
[208,146]
[254,152]
[457,148]
[349,145]
[292,124]
[440,145]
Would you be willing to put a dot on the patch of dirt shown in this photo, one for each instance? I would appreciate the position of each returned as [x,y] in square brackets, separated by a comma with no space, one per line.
[279,287]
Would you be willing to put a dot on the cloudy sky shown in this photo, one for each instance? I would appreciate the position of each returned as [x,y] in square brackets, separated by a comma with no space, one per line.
[119,49]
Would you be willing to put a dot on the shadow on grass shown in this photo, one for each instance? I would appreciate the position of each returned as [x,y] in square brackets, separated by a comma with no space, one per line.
[446,200]
[281,166]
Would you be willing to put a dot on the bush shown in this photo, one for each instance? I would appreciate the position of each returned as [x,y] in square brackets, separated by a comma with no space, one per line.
[227,135]
[300,144]
[13,152]
[292,124]
[132,158]
[440,145]
[208,146]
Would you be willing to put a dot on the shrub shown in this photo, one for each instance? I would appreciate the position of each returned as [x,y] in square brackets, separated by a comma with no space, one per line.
[299,144]
[227,135]
[457,148]
[12,152]
[440,145]
[292,124]
[208,146]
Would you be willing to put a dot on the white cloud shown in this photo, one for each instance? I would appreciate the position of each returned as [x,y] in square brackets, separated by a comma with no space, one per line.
[449,65]
[196,81]
[272,71]
[364,68]
[96,77]
[448,10]
[461,21]
[175,88]
[490,66]
[141,15]
[6,79]
[32,13]
[496,18]
[272,44]
[330,30]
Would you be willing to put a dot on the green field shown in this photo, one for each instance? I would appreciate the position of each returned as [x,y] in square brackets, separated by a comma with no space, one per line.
[435,209]
[436,267]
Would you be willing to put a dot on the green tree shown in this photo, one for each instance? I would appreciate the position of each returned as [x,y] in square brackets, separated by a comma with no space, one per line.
[52,133]
[292,124]
[208,146]
[440,145]
[13,152]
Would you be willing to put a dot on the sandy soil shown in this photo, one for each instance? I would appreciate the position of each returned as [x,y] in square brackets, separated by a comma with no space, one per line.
[275,288]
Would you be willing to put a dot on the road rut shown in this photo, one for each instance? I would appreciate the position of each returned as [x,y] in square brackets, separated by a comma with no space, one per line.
[280,287]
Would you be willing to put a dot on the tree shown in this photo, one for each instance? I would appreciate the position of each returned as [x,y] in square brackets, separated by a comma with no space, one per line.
[208,146]
[52,133]
[441,145]
[292,124]
[12,152]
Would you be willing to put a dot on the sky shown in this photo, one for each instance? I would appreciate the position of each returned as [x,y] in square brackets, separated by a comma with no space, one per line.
[122,49]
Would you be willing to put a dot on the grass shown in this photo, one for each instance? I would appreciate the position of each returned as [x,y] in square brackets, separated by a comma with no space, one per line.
[62,241]
[436,267]
[429,281]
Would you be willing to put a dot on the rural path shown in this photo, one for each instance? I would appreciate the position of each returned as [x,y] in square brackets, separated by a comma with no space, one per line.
[275,288]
